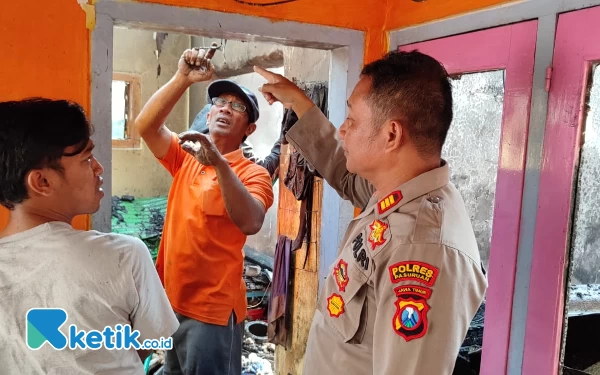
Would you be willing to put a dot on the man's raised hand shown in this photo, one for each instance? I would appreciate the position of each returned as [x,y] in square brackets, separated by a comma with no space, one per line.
[195,64]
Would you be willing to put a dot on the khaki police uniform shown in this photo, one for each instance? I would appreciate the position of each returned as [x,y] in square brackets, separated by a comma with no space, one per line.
[408,278]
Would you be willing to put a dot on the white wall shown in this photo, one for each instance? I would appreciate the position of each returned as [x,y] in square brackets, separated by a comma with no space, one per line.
[136,171]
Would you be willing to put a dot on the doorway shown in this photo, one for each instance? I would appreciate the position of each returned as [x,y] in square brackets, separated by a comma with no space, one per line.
[343,47]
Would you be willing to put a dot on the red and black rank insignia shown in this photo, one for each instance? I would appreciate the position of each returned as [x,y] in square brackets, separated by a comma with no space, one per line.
[340,273]
[410,320]
[378,229]
[390,201]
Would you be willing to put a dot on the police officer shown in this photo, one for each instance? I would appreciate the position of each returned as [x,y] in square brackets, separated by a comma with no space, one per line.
[408,279]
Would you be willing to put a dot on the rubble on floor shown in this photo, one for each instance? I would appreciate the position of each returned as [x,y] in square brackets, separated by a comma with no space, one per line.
[469,355]
[257,355]
[257,359]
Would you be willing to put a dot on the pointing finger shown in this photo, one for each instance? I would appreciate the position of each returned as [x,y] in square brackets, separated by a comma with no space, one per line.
[269,76]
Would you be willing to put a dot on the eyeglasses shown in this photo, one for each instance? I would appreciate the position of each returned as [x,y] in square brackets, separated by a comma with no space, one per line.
[220,102]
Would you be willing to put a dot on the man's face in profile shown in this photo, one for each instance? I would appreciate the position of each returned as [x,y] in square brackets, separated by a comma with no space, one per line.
[79,190]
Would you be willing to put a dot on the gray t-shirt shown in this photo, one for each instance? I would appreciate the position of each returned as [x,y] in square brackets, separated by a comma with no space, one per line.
[99,279]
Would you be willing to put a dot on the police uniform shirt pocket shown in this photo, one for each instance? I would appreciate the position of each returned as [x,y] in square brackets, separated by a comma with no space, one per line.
[343,301]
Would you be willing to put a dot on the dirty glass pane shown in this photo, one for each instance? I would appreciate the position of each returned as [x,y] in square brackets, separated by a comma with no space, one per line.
[118,109]
[585,245]
[582,319]
[473,145]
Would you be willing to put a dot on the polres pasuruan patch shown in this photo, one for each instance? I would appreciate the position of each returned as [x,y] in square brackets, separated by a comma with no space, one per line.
[413,271]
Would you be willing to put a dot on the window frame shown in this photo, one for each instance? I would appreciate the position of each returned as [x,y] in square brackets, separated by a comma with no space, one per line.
[134,87]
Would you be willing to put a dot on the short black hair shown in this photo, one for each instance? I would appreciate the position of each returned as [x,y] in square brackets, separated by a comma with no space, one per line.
[414,88]
[34,133]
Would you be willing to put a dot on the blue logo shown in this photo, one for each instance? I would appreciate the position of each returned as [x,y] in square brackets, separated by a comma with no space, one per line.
[43,325]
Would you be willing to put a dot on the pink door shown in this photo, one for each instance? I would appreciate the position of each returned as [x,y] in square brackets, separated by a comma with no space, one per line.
[486,148]
[568,219]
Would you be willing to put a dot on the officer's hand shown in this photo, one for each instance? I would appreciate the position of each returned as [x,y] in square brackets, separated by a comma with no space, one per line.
[195,65]
[200,146]
[281,89]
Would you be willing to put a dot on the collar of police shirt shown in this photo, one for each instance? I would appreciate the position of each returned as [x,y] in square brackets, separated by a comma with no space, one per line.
[410,190]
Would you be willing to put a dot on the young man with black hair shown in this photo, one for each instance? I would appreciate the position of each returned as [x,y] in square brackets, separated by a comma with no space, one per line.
[49,175]
[408,278]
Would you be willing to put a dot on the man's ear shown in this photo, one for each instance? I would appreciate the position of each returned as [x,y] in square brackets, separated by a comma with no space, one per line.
[39,182]
[394,135]
[251,128]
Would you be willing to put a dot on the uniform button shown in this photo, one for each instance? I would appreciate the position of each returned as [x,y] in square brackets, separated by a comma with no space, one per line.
[434,200]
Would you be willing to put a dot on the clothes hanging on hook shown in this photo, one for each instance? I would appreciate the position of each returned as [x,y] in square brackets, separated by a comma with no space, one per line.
[299,180]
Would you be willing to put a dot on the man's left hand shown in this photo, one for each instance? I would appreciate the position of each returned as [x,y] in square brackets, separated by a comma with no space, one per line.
[208,153]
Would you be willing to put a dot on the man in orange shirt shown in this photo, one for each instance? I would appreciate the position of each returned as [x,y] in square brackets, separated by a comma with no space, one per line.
[217,198]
